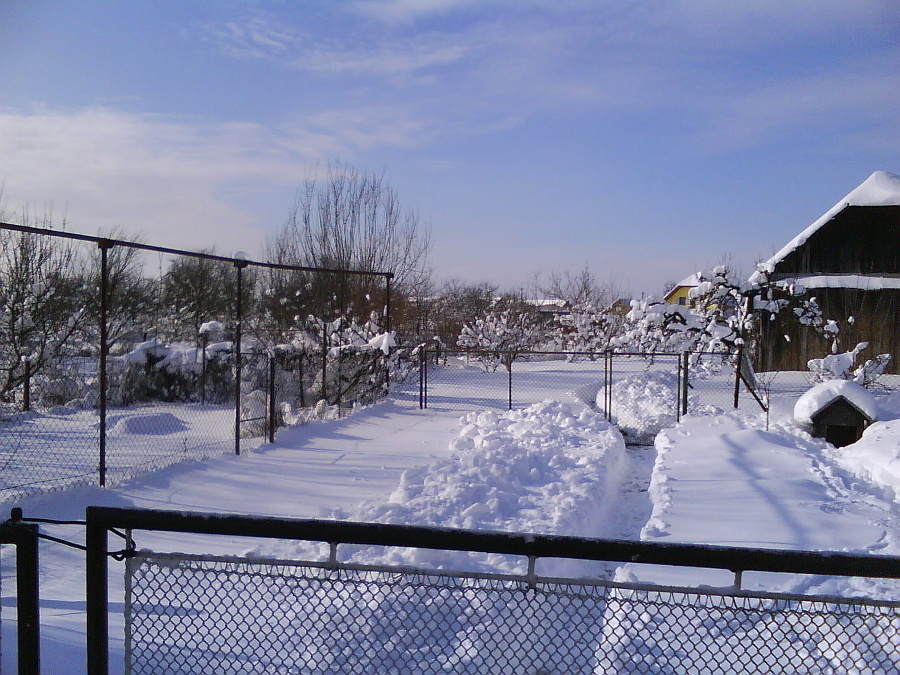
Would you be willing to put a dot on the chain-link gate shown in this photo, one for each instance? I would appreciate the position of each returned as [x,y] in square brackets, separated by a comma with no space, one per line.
[199,614]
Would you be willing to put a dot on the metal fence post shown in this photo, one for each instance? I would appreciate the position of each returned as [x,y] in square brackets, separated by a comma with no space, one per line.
[97,594]
[204,342]
[509,377]
[238,359]
[607,384]
[387,302]
[272,420]
[324,359]
[26,394]
[421,377]
[737,375]
[684,385]
[104,246]
[25,538]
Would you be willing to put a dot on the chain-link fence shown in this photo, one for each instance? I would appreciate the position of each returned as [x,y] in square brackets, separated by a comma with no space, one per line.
[198,614]
[118,358]
[278,616]
[641,393]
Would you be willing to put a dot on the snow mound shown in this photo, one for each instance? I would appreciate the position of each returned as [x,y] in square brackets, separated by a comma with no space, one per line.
[155,424]
[875,458]
[549,468]
[824,393]
[646,403]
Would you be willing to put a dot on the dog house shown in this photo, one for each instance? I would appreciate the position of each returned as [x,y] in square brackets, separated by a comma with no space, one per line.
[838,411]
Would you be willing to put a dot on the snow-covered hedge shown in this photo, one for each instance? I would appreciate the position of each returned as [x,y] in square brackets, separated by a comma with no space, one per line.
[152,371]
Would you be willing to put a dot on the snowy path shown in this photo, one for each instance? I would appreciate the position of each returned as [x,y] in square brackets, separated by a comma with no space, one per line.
[725,480]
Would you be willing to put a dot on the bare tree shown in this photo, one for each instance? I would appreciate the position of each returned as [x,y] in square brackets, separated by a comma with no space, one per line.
[576,290]
[40,306]
[131,298]
[198,290]
[353,220]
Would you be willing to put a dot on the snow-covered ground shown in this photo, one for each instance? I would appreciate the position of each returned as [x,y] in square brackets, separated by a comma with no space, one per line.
[742,478]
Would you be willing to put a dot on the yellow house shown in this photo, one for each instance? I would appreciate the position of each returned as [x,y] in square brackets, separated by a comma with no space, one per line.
[680,293]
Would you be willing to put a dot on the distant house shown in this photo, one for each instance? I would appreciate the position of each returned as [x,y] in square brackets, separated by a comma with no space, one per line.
[550,307]
[680,294]
[849,260]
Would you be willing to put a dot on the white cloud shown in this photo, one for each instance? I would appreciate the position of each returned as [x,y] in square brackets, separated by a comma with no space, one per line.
[257,38]
[701,61]
[403,11]
[176,181]
[387,59]
[181,181]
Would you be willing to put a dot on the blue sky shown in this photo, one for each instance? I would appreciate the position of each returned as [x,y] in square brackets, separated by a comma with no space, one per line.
[644,140]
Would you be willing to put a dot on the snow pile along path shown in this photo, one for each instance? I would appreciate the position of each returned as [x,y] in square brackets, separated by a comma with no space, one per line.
[550,468]
[725,480]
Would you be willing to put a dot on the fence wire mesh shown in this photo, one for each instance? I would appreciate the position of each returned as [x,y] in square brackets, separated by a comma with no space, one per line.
[118,358]
[193,614]
[641,393]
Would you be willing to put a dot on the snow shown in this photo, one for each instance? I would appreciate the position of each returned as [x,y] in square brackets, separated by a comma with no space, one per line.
[879,189]
[643,404]
[213,327]
[726,480]
[825,392]
[384,342]
[739,478]
[861,282]
[688,282]
[874,460]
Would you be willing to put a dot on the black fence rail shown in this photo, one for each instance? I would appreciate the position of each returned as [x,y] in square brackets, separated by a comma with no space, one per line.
[196,613]
[27,608]
[117,357]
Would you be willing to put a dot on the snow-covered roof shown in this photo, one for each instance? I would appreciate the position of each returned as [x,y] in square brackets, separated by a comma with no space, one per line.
[880,189]
[688,282]
[863,282]
[820,396]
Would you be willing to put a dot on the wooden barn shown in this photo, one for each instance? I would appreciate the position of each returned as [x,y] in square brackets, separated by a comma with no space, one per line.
[849,260]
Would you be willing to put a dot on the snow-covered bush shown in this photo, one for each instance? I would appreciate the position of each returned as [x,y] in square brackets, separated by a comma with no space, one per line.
[254,414]
[716,321]
[342,361]
[655,326]
[55,390]
[840,366]
[643,404]
[156,372]
[501,337]
[587,328]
